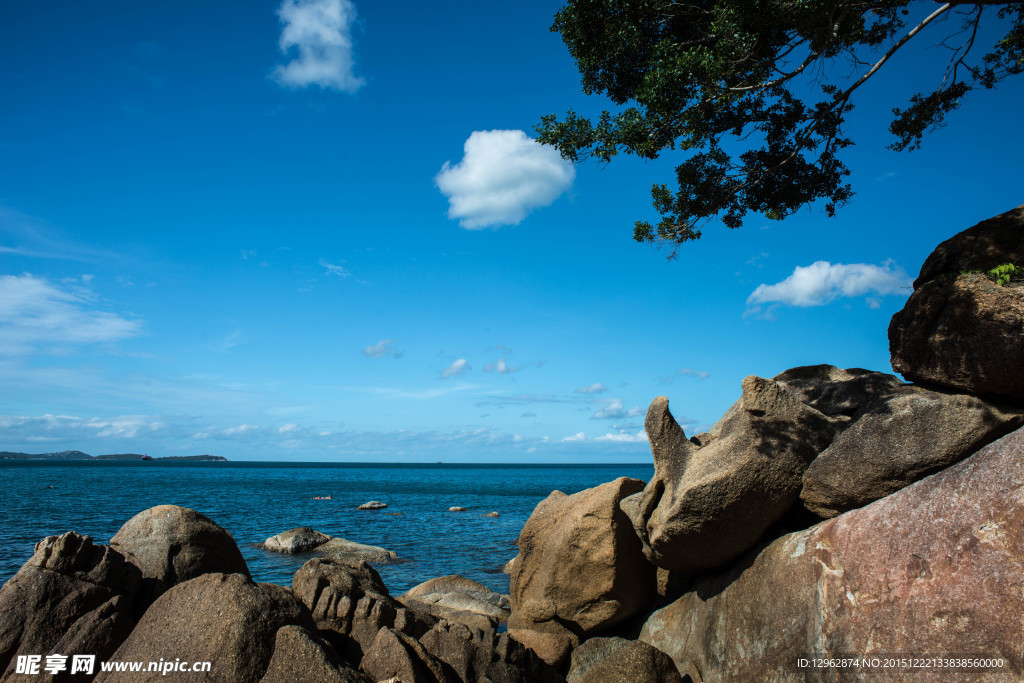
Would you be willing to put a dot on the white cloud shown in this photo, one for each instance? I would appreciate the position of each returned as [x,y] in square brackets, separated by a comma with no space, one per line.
[240,429]
[459,367]
[638,437]
[34,311]
[289,428]
[595,388]
[614,410]
[503,176]
[821,282]
[320,31]
[70,427]
[382,348]
[333,269]
[500,367]
[578,436]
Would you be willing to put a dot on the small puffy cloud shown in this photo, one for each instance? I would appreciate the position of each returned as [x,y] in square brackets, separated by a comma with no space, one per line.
[638,437]
[289,428]
[578,436]
[500,367]
[595,388]
[614,410]
[457,368]
[503,176]
[385,347]
[319,34]
[821,282]
[34,310]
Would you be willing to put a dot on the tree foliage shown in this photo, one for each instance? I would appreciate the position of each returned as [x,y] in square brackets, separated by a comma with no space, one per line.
[774,75]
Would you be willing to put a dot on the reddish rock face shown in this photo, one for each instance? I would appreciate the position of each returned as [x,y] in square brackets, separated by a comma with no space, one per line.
[935,569]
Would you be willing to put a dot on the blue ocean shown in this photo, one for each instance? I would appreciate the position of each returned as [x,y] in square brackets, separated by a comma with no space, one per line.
[255,500]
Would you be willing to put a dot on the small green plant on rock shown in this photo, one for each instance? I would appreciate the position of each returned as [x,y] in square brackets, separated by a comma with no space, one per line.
[1006,273]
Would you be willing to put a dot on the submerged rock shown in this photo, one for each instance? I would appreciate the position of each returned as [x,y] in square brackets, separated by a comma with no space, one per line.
[298,540]
[304,540]
[373,505]
[936,567]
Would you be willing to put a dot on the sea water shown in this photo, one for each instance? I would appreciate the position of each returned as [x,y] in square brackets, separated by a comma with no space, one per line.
[256,500]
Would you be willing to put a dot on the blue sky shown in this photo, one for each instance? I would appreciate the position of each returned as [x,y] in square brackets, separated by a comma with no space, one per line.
[321,231]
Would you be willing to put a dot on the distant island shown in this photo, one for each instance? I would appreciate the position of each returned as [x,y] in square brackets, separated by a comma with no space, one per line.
[79,455]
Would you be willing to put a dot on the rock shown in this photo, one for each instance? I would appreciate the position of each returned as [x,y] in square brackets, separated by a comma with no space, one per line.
[707,505]
[900,439]
[298,540]
[458,594]
[580,569]
[350,604]
[509,566]
[491,514]
[350,551]
[984,246]
[456,508]
[934,568]
[172,544]
[301,656]
[395,655]
[476,656]
[963,333]
[373,505]
[70,597]
[225,619]
[305,539]
[602,660]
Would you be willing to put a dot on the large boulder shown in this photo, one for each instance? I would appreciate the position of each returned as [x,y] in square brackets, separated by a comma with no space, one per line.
[303,656]
[172,544]
[71,596]
[301,539]
[959,329]
[964,333]
[350,605]
[984,246]
[485,656]
[580,570]
[707,504]
[395,656]
[224,619]
[895,434]
[934,569]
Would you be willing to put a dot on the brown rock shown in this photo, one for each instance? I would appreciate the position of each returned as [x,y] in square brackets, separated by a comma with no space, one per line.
[549,640]
[580,565]
[172,544]
[350,604]
[477,656]
[984,246]
[898,440]
[224,619]
[964,333]
[933,569]
[301,656]
[70,597]
[617,660]
[707,505]
[395,655]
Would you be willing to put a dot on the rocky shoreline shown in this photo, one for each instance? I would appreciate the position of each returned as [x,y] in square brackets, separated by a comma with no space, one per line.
[831,515]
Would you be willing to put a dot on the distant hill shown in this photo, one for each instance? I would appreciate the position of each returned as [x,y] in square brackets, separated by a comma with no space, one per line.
[79,455]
